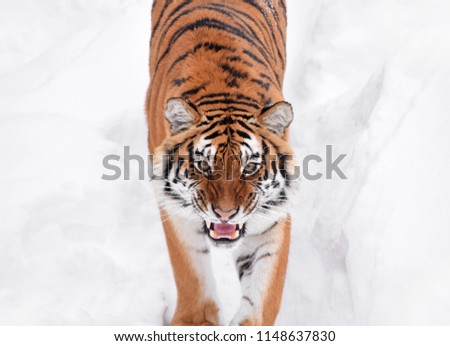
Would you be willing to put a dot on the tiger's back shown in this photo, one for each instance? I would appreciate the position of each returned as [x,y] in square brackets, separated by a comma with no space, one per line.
[218,55]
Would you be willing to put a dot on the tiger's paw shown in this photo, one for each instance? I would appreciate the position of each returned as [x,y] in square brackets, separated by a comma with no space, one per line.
[245,321]
[251,321]
[247,314]
[245,317]
[205,315]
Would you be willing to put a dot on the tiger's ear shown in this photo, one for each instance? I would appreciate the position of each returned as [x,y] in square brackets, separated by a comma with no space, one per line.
[277,117]
[180,115]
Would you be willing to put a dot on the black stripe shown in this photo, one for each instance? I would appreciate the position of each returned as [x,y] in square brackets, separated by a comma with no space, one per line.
[233,72]
[243,134]
[233,17]
[249,17]
[263,75]
[281,198]
[282,164]
[175,10]
[202,197]
[264,155]
[205,23]
[212,117]
[209,128]
[190,149]
[249,28]
[270,228]
[180,81]
[267,101]
[213,135]
[245,263]
[206,45]
[244,125]
[238,115]
[243,258]
[169,161]
[266,86]
[193,91]
[177,170]
[248,300]
[275,184]
[272,7]
[228,101]
[264,13]
[234,58]
[245,116]
[155,27]
[232,83]
[213,95]
[283,6]
[163,34]
[251,199]
[226,121]
[247,145]
[267,254]
[245,268]
[227,109]
[274,168]
[254,57]
[243,97]
[261,10]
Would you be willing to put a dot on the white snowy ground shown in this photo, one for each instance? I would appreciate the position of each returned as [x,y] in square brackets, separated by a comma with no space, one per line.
[371,77]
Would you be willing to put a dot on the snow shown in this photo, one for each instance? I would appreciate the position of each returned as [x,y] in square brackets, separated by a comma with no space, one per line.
[371,78]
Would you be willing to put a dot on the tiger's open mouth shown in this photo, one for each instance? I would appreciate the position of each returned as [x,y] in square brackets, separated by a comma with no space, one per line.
[224,232]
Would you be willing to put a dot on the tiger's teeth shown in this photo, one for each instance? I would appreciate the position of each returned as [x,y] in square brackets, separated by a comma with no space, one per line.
[208,224]
[241,225]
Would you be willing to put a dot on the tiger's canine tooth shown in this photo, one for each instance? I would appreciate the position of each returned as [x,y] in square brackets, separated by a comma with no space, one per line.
[241,225]
[208,224]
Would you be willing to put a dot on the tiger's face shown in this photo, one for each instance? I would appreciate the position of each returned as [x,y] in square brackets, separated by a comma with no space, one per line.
[231,176]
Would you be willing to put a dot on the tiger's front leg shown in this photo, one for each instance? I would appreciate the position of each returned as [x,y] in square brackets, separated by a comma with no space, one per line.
[190,256]
[261,264]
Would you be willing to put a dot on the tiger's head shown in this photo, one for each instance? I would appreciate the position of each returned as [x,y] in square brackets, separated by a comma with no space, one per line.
[232,175]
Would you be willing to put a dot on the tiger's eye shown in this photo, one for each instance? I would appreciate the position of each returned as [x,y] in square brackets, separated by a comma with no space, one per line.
[203,166]
[251,168]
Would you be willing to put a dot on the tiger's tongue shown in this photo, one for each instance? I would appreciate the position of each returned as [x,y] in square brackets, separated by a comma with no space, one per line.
[224,228]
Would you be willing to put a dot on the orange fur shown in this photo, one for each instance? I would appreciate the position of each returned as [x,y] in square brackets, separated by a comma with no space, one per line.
[192,306]
[272,299]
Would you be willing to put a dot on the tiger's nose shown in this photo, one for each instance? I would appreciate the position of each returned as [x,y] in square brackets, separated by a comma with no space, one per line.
[225,215]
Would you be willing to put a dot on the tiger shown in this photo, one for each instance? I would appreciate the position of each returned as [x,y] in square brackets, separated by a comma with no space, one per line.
[218,138]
